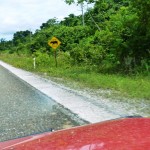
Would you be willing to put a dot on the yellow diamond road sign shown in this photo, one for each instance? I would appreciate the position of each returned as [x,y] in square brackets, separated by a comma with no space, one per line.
[54,42]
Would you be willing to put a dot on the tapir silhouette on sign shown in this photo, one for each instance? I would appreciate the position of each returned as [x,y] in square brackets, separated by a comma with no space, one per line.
[54,42]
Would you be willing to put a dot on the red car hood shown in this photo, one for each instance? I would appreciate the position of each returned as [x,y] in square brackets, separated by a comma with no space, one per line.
[121,134]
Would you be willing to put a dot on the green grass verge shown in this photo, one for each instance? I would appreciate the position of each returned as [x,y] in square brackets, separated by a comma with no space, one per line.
[127,86]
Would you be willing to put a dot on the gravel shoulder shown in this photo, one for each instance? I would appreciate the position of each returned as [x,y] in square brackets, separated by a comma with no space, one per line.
[90,105]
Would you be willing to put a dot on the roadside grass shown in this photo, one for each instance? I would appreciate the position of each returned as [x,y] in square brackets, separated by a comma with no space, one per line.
[137,86]
[20,61]
[131,87]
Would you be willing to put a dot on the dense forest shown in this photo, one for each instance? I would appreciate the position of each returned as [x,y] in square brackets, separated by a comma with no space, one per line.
[113,36]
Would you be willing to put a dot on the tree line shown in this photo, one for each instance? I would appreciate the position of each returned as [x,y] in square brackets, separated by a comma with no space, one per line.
[115,36]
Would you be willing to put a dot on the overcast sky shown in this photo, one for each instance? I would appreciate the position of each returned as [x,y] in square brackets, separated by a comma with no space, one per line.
[20,15]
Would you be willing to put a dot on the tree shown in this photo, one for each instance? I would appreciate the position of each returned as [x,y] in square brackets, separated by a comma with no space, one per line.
[49,23]
[140,38]
[21,37]
[2,44]
[71,21]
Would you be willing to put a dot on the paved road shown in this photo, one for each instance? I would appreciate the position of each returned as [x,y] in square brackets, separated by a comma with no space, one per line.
[25,111]
[92,109]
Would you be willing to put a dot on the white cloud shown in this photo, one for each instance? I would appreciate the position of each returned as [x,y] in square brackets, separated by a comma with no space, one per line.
[17,15]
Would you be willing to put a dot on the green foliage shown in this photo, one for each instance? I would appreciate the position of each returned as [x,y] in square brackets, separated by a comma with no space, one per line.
[71,21]
[42,59]
[49,23]
[140,41]
[88,54]
[115,37]
[119,31]
[2,44]
[70,36]
[64,59]
[21,37]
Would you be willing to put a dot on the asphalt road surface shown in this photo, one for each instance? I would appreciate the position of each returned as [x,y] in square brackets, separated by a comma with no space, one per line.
[25,111]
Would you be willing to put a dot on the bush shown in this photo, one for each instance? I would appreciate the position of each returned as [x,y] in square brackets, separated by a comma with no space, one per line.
[42,59]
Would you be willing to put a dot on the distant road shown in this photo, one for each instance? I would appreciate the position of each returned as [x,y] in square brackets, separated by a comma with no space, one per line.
[25,111]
